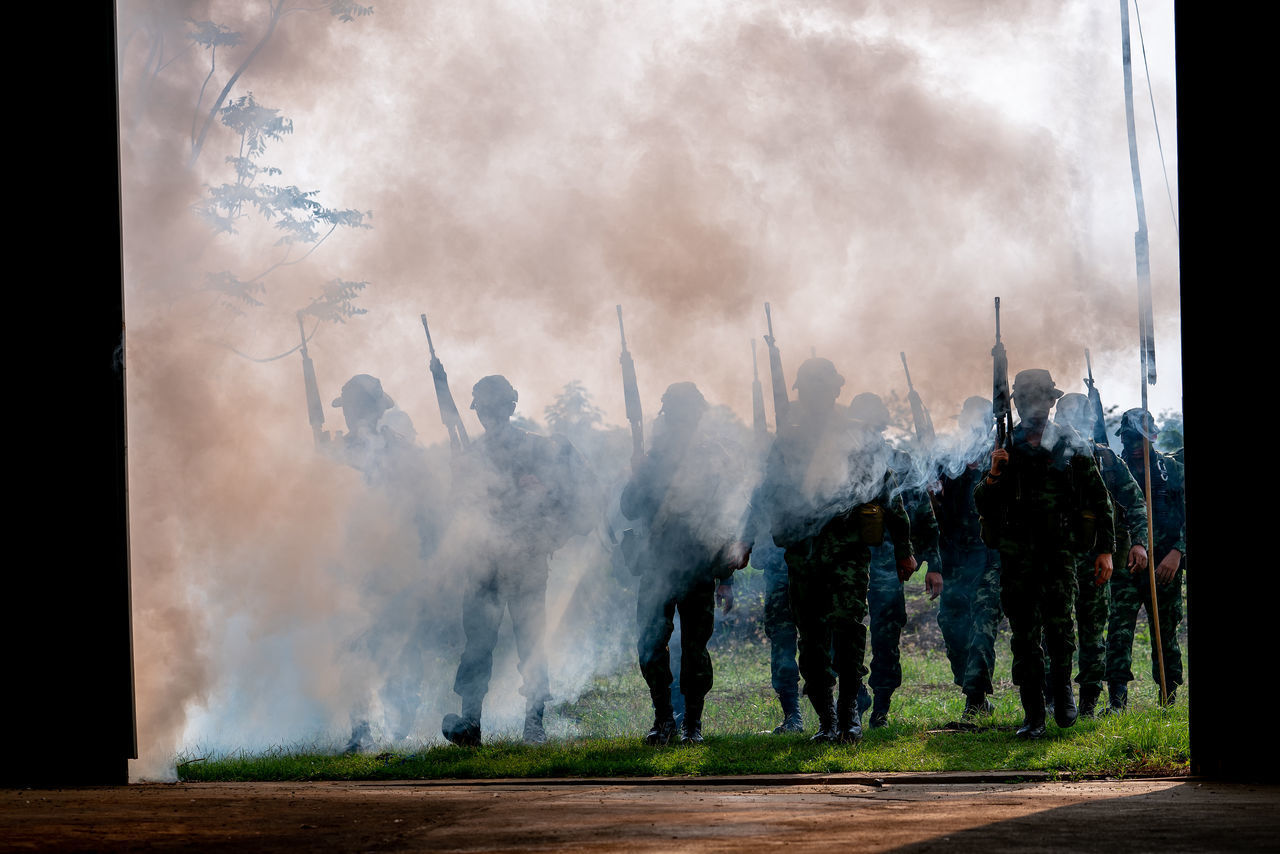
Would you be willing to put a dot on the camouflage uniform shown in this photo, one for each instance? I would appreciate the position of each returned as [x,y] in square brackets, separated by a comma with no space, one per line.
[1033,513]
[681,491]
[886,597]
[523,496]
[779,627]
[969,612]
[1131,591]
[829,492]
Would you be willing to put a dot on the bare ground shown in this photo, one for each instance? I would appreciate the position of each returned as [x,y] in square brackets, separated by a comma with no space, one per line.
[804,812]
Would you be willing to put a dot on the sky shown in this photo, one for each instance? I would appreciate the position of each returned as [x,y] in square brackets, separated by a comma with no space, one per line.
[877,172]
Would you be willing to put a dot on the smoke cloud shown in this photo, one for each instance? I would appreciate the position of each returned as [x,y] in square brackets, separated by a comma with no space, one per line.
[878,172]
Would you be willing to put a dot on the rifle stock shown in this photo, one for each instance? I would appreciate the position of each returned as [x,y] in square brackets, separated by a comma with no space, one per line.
[631,396]
[1095,404]
[449,415]
[315,410]
[1000,398]
[781,403]
[919,414]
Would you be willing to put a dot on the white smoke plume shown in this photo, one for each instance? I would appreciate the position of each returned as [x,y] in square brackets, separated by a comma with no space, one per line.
[877,171]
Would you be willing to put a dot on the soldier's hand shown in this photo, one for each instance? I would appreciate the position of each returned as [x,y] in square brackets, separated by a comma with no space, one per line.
[1102,569]
[933,585]
[906,567]
[724,597]
[1166,568]
[737,556]
[999,457]
[1137,558]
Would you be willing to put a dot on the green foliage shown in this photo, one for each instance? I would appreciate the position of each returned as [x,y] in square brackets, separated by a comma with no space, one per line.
[573,410]
[345,12]
[335,302]
[232,292]
[211,35]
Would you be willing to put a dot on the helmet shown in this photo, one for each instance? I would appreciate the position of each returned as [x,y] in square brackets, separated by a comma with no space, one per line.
[870,408]
[683,398]
[1138,422]
[1033,380]
[364,392]
[493,391]
[818,372]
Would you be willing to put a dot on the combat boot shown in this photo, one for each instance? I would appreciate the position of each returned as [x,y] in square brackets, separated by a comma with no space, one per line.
[1117,697]
[462,731]
[848,719]
[662,733]
[1089,695]
[825,706]
[691,723]
[976,704]
[792,721]
[1064,701]
[880,710]
[534,733]
[1033,708]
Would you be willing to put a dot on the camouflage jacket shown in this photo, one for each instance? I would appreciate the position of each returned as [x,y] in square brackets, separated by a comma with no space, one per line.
[1126,498]
[919,507]
[959,525]
[1045,495]
[832,467]
[1168,501]
[688,498]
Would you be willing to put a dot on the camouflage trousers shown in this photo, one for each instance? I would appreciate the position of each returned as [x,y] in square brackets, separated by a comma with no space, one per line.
[492,591]
[1092,605]
[1129,593]
[659,600]
[1037,588]
[969,615]
[830,574]
[887,607]
[779,626]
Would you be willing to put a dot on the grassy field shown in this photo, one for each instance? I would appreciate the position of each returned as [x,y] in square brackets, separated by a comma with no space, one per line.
[600,733]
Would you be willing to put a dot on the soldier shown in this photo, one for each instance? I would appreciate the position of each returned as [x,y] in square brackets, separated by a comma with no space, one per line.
[969,613]
[1132,590]
[779,628]
[829,493]
[1093,599]
[379,443]
[522,496]
[886,598]
[687,492]
[1042,502]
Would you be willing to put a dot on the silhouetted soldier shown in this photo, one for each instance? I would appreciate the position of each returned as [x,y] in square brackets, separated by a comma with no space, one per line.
[687,492]
[1132,590]
[969,612]
[1043,502]
[828,491]
[379,443]
[886,597]
[522,496]
[1092,599]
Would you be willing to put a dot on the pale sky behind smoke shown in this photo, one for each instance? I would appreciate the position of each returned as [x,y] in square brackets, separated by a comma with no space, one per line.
[878,172]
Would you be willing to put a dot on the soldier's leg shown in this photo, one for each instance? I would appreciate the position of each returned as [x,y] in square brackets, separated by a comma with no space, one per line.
[655,612]
[697,607]
[780,628]
[811,605]
[675,644]
[851,565]
[1092,606]
[1169,605]
[986,614]
[1020,595]
[887,607]
[955,612]
[1126,598]
[481,616]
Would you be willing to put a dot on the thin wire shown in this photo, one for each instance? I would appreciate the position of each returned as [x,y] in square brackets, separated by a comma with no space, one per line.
[1155,121]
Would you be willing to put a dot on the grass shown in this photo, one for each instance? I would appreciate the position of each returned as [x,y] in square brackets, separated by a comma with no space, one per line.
[599,735]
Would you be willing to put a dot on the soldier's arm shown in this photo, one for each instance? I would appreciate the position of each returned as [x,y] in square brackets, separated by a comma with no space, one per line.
[1093,492]
[1131,507]
[1179,495]
[896,519]
[925,536]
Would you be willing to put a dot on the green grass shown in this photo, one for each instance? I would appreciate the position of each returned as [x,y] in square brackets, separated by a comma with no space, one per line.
[599,735]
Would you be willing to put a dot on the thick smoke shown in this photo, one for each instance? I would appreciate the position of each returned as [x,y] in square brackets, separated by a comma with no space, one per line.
[878,172]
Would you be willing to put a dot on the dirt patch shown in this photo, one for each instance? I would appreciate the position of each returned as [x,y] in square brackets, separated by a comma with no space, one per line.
[804,813]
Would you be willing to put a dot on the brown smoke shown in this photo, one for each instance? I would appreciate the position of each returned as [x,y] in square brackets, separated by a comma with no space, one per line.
[529,168]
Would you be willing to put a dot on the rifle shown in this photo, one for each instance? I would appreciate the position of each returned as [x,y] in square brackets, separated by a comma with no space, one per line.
[781,403]
[448,409]
[757,397]
[1000,407]
[315,410]
[1095,403]
[919,415]
[631,394]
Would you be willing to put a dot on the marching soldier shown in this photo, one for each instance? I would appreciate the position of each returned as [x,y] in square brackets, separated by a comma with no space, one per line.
[1042,502]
